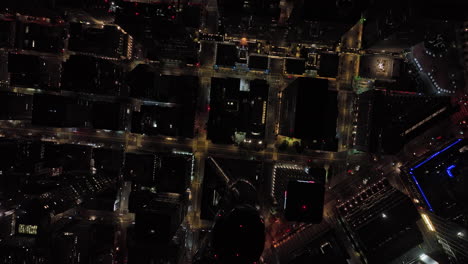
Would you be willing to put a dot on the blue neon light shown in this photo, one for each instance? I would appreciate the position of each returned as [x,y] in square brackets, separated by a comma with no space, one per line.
[305,181]
[422,192]
[436,154]
[285,199]
[449,170]
[424,162]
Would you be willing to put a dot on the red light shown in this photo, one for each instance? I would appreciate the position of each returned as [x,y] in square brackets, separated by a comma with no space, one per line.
[215,255]
[208,107]
[137,14]
[439,137]
[106,1]
[197,64]
[304,207]
[241,226]
[237,254]
[173,17]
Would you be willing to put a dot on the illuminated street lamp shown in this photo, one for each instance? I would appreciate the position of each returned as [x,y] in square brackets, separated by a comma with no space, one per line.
[428,222]
[243,41]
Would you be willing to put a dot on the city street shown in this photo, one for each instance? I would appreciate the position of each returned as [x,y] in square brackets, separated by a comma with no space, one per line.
[200,146]
[350,171]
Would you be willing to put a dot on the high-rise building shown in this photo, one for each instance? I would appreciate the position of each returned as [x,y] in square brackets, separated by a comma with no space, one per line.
[7,35]
[141,168]
[158,26]
[386,120]
[258,8]
[303,201]
[111,116]
[238,235]
[24,70]
[284,173]
[381,222]
[463,31]
[108,161]
[309,243]
[438,183]
[34,34]
[15,106]
[309,112]
[451,236]
[7,223]
[97,76]
[110,42]
[60,111]
[157,219]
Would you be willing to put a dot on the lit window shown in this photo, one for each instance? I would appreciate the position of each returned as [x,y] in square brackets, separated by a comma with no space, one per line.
[27,229]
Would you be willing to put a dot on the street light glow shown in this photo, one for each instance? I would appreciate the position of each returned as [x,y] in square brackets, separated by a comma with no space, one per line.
[428,222]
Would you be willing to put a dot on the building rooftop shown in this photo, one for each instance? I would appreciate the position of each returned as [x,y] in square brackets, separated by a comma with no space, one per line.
[383,220]
[309,112]
[440,182]
[389,119]
[96,76]
[287,172]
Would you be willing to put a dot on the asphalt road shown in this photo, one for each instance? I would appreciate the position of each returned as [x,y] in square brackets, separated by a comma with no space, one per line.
[341,186]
